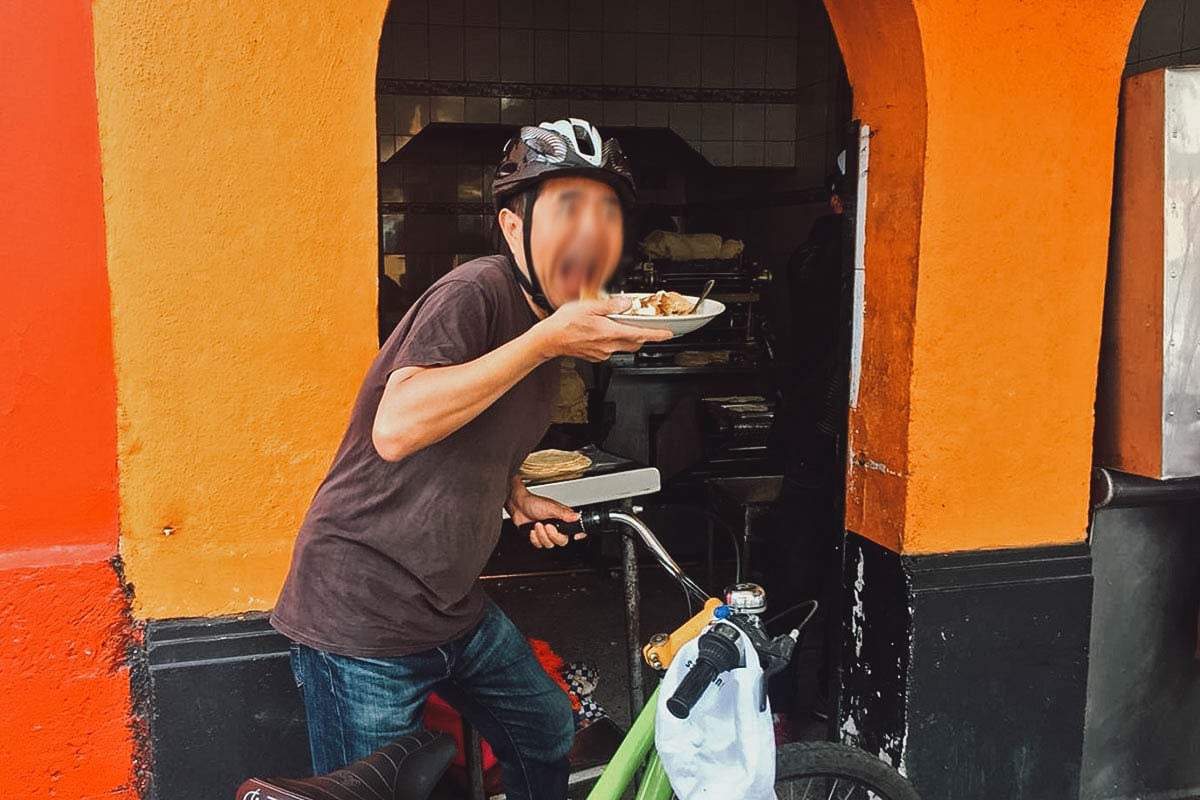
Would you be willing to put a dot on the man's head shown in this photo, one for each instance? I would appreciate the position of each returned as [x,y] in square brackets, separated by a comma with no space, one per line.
[561,195]
[833,184]
[577,235]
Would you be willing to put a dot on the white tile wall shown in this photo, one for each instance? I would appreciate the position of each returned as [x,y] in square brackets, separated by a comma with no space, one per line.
[551,108]
[515,13]
[585,59]
[516,55]
[550,56]
[446,12]
[1191,27]
[411,52]
[750,63]
[620,59]
[685,120]
[481,109]
[654,16]
[447,109]
[620,112]
[749,122]
[1167,35]
[750,18]
[480,12]
[716,62]
[661,44]
[481,54]
[683,60]
[653,115]
[716,121]
[551,14]
[445,52]
[653,55]
[516,111]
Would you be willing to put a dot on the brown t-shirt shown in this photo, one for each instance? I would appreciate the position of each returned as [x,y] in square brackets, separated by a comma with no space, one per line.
[388,558]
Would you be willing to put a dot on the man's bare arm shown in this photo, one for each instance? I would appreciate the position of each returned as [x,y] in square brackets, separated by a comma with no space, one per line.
[423,405]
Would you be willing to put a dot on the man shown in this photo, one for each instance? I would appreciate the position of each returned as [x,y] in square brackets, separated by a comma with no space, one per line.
[805,521]
[382,601]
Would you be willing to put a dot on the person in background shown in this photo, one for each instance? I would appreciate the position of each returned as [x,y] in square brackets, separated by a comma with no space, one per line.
[806,523]
[383,602]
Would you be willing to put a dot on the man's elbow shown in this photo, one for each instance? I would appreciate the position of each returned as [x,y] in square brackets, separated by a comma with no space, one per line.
[393,444]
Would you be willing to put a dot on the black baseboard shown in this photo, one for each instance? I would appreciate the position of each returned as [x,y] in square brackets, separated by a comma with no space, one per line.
[1143,717]
[968,671]
[224,707]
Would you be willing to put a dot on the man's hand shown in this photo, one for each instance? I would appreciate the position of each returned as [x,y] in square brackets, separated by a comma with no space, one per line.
[582,329]
[525,507]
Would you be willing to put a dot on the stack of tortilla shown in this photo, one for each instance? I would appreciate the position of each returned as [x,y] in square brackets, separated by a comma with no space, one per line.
[543,465]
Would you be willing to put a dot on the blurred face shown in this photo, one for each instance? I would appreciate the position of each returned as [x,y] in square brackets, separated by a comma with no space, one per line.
[578,231]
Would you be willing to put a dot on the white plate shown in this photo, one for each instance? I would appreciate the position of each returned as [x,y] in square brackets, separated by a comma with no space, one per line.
[677,325]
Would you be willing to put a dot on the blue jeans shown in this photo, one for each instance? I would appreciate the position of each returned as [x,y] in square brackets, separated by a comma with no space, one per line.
[490,675]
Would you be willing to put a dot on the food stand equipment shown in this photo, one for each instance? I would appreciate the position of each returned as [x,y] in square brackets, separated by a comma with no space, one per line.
[711,377]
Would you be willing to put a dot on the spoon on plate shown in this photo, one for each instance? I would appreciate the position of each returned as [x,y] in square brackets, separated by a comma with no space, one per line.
[708,287]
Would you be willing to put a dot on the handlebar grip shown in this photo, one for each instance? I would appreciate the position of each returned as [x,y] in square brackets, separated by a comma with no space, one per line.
[567,529]
[690,689]
[718,652]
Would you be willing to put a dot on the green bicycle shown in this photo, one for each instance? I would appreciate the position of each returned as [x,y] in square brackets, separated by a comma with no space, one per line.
[409,768]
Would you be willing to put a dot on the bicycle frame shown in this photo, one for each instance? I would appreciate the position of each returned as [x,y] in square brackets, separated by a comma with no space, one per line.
[637,748]
[638,743]
[630,757]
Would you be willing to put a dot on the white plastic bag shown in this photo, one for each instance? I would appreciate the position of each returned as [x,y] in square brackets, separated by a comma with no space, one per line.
[726,747]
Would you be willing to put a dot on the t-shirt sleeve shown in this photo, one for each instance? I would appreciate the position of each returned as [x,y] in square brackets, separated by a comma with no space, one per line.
[452,325]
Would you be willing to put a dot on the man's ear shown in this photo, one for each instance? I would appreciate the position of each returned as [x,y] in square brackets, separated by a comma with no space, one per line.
[510,229]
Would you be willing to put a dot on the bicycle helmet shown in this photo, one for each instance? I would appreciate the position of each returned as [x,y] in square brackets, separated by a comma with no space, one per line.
[557,149]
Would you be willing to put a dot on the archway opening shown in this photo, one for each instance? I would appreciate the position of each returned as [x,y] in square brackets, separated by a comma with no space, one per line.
[734,119]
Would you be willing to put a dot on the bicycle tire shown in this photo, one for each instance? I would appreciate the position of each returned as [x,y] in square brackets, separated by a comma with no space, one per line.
[831,761]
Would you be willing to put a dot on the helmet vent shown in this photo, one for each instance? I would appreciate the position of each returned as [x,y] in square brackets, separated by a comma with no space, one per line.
[583,140]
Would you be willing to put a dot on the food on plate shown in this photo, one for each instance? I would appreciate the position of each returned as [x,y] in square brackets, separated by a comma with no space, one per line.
[661,304]
[543,464]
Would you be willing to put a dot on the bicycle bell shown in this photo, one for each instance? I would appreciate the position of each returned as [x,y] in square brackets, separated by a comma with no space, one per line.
[746,598]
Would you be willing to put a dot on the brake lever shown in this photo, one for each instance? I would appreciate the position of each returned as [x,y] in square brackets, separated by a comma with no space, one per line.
[773,653]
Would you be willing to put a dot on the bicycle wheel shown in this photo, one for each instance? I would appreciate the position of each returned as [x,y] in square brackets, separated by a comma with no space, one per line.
[824,770]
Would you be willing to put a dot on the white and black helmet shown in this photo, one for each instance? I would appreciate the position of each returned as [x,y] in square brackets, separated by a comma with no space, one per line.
[559,149]
[556,150]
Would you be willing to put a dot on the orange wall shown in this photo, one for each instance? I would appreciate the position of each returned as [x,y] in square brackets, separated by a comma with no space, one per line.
[1022,119]
[240,201]
[1129,435]
[238,144]
[66,727]
[881,45]
[987,233]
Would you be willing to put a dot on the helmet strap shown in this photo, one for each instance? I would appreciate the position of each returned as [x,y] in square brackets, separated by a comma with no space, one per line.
[530,282]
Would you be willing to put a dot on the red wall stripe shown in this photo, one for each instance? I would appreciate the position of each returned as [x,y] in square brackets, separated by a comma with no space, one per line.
[58,472]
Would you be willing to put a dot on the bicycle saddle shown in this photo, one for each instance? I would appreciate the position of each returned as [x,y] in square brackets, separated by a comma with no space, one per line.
[406,769]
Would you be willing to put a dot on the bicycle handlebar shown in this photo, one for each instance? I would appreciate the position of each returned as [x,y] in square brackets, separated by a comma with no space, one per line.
[719,649]
[718,653]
